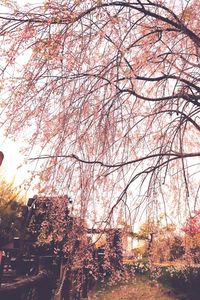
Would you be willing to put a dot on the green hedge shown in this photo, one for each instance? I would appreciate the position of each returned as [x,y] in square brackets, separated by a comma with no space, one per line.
[183,280]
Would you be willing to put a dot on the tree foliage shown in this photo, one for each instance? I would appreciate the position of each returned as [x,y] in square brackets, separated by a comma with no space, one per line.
[192,224]
[162,242]
[192,236]
[10,211]
[108,94]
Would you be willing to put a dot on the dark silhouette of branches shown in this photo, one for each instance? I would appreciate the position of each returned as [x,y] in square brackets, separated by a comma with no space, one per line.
[108,94]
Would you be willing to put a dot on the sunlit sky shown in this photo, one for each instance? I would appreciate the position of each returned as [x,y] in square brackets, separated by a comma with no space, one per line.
[13,168]
[12,157]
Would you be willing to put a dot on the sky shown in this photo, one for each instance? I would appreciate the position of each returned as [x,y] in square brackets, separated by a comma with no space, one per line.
[12,157]
[13,168]
[22,2]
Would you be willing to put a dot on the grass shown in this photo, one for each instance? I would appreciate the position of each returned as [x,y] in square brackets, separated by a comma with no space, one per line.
[140,288]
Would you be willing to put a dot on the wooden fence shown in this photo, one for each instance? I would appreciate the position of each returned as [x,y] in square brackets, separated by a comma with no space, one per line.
[38,287]
[48,284]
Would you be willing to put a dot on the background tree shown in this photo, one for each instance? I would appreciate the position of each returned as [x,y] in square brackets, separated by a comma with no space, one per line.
[162,242]
[192,236]
[11,203]
[177,249]
[108,94]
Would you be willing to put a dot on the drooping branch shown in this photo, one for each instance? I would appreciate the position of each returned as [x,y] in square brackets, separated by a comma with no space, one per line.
[110,91]
[173,155]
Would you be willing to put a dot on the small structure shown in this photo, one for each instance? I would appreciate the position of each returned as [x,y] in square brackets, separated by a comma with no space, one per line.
[76,262]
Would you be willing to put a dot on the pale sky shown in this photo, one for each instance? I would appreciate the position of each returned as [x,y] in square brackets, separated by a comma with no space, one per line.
[12,157]
[22,2]
[13,167]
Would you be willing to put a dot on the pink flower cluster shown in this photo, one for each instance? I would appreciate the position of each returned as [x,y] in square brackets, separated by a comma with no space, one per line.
[192,225]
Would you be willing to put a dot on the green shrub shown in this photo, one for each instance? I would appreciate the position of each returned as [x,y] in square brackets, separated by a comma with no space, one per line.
[185,280]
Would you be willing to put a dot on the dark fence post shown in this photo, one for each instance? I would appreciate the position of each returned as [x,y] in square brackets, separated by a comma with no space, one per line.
[85,283]
[45,288]
[64,290]
[1,268]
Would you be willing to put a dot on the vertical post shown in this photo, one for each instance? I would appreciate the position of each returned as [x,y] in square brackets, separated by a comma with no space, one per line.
[46,287]
[64,290]
[1,268]
[85,282]
[67,285]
